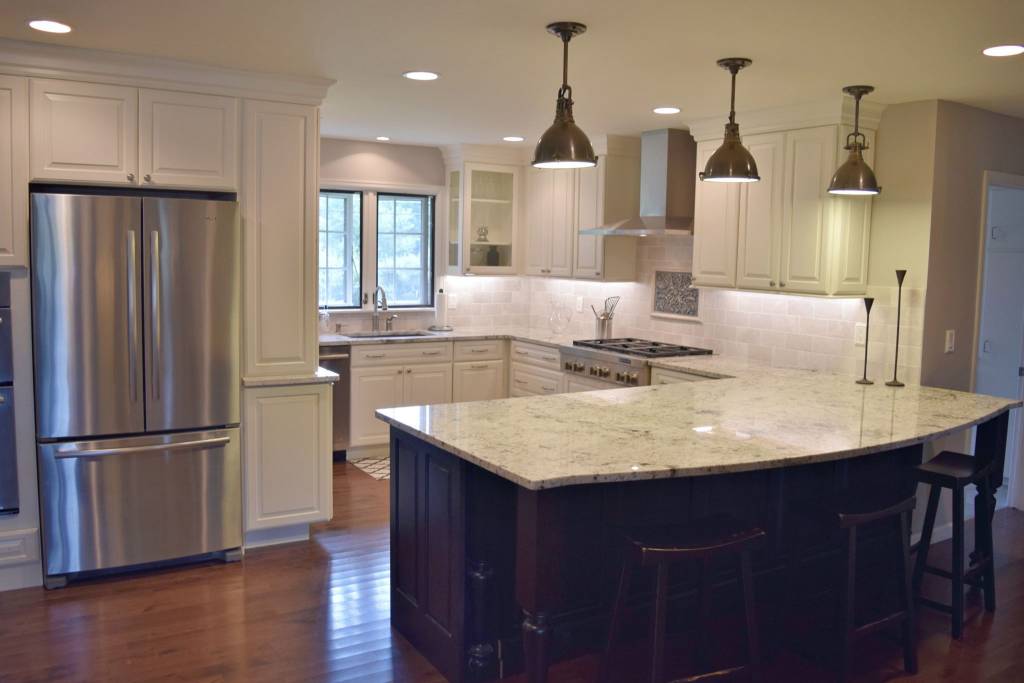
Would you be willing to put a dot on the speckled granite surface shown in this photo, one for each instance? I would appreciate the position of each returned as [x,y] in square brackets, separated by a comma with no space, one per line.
[757,418]
[536,336]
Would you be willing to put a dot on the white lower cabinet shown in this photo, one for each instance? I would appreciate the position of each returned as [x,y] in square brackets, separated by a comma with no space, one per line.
[574,384]
[529,380]
[478,381]
[427,384]
[389,386]
[286,442]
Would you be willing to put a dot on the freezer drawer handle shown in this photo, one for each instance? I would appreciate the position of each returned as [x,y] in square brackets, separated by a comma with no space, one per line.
[334,356]
[196,445]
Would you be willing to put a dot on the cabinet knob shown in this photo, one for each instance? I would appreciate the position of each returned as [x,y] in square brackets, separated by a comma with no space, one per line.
[782,284]
[131,176]
[148,178]
[771,283]
[408,371]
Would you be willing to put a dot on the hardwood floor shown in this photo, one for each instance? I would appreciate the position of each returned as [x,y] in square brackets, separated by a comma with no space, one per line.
[318,611]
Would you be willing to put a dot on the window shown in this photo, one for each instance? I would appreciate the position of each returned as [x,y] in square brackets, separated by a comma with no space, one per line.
[405,248]
[340,243]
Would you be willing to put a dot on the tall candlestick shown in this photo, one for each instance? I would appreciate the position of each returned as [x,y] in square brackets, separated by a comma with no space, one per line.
[900,274]
[868,301]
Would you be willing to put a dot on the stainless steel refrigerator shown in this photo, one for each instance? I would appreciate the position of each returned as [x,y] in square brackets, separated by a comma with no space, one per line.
[135,303]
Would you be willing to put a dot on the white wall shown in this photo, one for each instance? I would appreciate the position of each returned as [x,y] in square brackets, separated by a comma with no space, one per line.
[360,163]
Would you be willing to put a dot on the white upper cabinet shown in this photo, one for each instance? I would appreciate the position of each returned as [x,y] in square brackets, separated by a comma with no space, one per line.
[715,226]
[760,215]
[605,194]
[483,221]
[13,171]
[84,132]
[811,161]
[188,140]
[852,237]
[279,212]
[550,216]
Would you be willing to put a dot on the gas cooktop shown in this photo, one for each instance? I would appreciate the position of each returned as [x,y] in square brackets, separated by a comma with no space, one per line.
[642,348]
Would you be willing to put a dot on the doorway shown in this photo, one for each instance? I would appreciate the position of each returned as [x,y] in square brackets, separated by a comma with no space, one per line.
[999,360]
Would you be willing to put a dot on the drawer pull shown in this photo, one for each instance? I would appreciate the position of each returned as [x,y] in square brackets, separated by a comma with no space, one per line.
[431,353]
[548,388]
[479,366]
[520,381]
[550,359]
[376,355]
[479,350]
[522,352]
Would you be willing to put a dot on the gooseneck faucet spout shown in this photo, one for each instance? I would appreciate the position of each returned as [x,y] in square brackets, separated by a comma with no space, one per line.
[379,297]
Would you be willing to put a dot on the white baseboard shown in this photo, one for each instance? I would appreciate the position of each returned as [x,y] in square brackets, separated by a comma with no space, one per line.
[259,538]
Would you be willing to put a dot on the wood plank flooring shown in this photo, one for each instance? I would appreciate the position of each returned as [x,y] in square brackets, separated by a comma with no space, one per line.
[318,611]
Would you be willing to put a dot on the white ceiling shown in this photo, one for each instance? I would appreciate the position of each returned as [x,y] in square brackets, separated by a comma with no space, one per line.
[500,70]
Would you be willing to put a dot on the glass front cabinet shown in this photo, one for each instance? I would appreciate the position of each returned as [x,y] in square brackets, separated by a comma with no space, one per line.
[483,218]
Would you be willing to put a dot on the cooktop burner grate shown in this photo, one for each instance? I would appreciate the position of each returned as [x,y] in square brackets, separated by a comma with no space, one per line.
[643,348]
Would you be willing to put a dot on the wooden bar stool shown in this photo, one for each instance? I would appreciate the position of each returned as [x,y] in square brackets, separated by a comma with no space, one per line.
[846,513]
[955,471]
[701,540]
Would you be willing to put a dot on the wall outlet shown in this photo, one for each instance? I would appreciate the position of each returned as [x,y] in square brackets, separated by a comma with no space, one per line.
[453,302]
[579,304]
[860,334]
[950,341]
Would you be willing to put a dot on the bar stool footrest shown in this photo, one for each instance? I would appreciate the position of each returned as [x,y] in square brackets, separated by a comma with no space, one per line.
[934,604]
[711,675]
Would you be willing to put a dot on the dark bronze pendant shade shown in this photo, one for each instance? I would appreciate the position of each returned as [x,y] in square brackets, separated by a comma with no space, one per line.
[855,177]
[732,162]
[564,144]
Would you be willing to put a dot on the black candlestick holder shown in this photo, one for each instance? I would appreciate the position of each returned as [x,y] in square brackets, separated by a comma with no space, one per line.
[868,302]
[900,274]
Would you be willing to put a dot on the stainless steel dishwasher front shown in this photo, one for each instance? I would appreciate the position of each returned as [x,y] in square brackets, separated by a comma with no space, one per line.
[336,358]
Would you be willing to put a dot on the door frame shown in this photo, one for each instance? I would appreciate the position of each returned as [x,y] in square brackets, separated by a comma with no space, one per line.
[1014,469]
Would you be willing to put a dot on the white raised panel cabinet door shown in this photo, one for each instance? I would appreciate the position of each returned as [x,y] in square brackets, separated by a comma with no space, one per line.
[574,384]
[563,222]
[810,163]
[373,388]
[478,381]
[715,224]
[84,132]
[427,384]
[13,171]
[851,231]
[760,216]
[589,248]
[279,217]
[288,461]
[188,140]
[539,198]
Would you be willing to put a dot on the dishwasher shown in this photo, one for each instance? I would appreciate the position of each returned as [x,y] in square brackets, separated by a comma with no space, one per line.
[336,358]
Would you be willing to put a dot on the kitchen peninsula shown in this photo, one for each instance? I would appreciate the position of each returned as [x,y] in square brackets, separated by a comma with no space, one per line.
[506,511]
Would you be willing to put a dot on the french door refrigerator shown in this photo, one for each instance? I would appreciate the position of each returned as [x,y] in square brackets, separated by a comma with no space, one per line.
[135,303]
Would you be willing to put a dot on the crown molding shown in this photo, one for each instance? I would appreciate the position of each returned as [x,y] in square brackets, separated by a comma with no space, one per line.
[790,117]
[40,60]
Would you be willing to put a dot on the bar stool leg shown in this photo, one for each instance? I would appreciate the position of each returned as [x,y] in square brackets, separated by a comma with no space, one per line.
[616,622]
[660,607]
[753,649]
[983,530]
[924,545]
[909,623]
[958,563]
[847,602]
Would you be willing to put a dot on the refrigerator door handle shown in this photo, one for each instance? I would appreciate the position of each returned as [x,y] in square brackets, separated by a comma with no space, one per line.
[154,270]
[133,318]
[195,445]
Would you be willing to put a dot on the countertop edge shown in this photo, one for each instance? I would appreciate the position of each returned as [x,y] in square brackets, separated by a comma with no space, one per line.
[322,376]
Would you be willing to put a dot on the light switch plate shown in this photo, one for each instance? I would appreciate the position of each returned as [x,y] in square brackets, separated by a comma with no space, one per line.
[579,304]
[860,334]
[950,341]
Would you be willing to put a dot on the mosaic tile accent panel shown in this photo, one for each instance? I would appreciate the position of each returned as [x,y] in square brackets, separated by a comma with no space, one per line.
[675,295]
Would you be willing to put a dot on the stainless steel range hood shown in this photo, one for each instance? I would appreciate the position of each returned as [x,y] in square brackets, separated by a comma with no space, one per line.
[668,166]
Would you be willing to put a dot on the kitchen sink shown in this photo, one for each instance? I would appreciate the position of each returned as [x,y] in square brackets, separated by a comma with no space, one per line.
[394,333]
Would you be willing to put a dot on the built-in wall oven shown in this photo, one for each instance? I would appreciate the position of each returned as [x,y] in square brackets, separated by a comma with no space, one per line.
[8,454]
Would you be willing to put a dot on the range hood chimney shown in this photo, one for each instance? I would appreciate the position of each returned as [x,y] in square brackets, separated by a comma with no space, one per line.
[668,172]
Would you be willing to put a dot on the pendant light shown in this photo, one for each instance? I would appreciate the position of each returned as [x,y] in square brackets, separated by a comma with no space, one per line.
[732,162]
[564,144]
[855,177]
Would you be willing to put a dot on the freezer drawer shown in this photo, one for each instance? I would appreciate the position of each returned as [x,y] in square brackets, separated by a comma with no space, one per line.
[120,502]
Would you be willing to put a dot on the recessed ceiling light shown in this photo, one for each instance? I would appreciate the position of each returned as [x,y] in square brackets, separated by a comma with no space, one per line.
[49,26]
[1003,51]
[383,138]
[420,75]
[666,110]
[513,138]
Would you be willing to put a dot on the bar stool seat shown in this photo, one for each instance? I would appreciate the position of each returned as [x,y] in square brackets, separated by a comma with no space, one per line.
[846,512]
[664,545]
[956,471]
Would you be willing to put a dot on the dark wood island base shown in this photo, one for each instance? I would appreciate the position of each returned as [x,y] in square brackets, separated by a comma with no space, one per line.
[491,578]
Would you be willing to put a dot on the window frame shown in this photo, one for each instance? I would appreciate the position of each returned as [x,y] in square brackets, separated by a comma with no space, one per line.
[428,260]
[362,246]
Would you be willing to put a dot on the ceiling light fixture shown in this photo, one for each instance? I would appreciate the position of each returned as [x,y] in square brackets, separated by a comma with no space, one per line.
[49,26]
[732,162]
[564,144]
[513,138]
[1003,51]
[383,138]
[855,177]
[666,110]
[421,75]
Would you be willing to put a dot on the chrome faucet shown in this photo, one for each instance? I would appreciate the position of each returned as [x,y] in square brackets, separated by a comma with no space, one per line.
[381,297]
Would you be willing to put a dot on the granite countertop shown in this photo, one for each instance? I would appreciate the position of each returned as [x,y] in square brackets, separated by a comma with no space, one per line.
[322,376]
[534,335]
[753,418]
